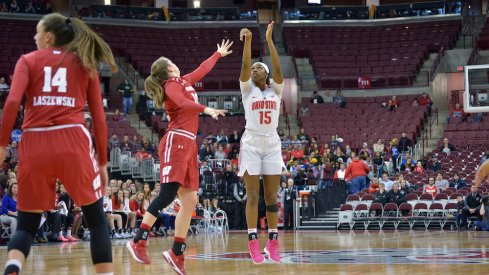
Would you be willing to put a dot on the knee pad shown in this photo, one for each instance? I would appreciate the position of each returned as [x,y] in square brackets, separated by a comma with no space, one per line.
[93,214]
[272,208]
[168,192]
[28,224]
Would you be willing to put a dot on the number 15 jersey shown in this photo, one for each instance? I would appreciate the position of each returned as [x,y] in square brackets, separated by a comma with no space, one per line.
[262,108]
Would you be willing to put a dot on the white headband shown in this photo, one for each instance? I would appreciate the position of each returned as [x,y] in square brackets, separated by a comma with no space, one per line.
[263,65]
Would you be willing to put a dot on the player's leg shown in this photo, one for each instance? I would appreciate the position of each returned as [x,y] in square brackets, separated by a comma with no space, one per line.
[270,184]
[189,199]
[252,197]
[20,243]
[137,246]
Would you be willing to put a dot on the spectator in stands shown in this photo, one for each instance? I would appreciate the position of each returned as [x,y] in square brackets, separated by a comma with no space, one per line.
[303,137]
[114,142]
[289,195]
[300,178]
[304,111]
[379,146]
[395,195]
[316,98]
[484,224]
[3,7]
[126,89]
[435,165]
[142,154]
[14,7]
[234,152]
[386,181]
[485,157]
[365,151]
[146,144]
[297,153]
[379,161]
[219,154]
[327,175]
[117,116]
[135,143]
[457,113]
[136,204]
[235,137]
[9,208]
[230,179]
[431,188]
[295,140]
[404,143]
[407,164]
[394,150]
[111,217]
[12,152]
[381,195]
[446,147]
[357,172]
[3,85]
[227,149]
[206,204]
[374,186]
[425,100]
[419,167]
[222,137]
[404,187]
[393,103]
[215,205]
[126,144]
[68,212]
[339,99]
[239,194]
[29,8]
[339,175]
[457,182]
[440,182]
[471,206]
[415,103]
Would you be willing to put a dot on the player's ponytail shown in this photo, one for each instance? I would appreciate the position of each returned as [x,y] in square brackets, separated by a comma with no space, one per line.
[153,85]
[74,35]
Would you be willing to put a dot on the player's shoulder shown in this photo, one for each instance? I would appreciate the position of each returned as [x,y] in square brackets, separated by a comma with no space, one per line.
[175,80]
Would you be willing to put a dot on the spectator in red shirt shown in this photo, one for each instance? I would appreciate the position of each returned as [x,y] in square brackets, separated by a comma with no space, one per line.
[425,100]
[419,167]
[457,113]
[356,172]
[374,186]
[136,205]
[297,152]
[393,103]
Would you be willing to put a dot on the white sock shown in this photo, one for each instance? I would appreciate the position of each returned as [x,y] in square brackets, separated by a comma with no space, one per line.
[68,232]
[15,262]
[272,230]
[61,233]
[252,230]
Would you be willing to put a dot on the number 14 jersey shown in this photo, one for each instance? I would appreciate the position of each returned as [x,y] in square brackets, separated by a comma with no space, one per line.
[262,108]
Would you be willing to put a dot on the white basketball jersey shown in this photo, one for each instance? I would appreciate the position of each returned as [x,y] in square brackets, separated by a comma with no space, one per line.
[262,108]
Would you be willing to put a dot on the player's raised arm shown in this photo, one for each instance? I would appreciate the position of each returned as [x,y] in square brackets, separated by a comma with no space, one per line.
[206,66]
[276,70]
[245,34]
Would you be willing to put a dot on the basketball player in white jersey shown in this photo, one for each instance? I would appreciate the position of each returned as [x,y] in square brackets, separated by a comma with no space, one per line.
[260,153]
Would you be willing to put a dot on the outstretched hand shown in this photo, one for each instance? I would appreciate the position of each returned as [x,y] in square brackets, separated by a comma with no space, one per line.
[223,49]
[215,113]
[270,30]
[244,34]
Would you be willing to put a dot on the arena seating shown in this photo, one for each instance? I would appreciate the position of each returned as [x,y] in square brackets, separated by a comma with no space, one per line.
[390,55]
[185,47]
[363,120]
[17,38]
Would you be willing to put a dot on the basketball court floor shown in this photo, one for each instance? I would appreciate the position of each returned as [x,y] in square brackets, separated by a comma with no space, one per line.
[304,252]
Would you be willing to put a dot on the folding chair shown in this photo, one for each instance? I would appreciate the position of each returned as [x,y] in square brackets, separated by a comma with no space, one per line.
[391,214]
[345,215]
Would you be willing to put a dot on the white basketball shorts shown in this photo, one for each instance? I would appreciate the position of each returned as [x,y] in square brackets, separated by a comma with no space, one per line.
[260,155]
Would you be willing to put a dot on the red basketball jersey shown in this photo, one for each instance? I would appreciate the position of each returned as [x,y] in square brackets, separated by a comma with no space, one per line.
[56,87]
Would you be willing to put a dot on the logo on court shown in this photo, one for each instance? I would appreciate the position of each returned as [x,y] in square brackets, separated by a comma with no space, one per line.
[368,256]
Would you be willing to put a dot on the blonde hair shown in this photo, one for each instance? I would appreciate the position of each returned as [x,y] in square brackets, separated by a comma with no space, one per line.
[74,35]
[153,85]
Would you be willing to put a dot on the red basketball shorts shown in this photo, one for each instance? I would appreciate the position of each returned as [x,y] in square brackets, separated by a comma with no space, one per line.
[63,152]
[178,159]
